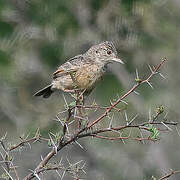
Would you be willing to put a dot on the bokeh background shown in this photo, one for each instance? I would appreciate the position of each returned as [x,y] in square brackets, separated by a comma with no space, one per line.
[38,35]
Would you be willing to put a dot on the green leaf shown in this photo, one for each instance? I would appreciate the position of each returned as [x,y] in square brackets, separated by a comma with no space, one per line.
[49,143]
[138,80]
[4,176]
[154,132]
[160,109]
[72,104]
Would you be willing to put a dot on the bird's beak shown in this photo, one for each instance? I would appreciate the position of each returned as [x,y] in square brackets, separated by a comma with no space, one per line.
[118,60]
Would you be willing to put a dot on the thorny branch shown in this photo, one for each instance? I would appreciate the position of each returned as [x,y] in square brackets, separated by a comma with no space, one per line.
[7,159]
[85,133]
[169,174]
[89,129]
[139,82]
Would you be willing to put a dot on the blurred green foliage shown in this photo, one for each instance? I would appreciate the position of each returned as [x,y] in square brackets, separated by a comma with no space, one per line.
[38,35]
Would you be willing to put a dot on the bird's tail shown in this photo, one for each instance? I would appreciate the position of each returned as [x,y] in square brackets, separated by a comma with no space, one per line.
[45,92]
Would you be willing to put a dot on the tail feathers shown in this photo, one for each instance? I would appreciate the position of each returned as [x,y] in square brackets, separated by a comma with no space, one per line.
[45,92]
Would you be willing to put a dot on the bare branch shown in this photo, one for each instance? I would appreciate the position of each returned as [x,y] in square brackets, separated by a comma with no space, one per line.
[169,174]
[87,131]
[128,93]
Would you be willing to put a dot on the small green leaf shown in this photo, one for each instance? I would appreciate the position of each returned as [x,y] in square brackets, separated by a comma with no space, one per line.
[49,143]
[138,80]
[72,104]
[9,158]
[154,132]
[160,109]
[94,103]
[4,176]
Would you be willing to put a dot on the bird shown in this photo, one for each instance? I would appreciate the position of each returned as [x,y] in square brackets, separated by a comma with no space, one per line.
[82,72]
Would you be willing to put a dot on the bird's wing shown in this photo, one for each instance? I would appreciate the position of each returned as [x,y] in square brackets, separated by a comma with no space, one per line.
[71,66]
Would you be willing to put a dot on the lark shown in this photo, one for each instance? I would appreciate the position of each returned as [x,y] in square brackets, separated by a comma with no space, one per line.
[82,72]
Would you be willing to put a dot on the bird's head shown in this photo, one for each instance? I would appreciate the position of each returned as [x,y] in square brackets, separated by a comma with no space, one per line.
[104,53]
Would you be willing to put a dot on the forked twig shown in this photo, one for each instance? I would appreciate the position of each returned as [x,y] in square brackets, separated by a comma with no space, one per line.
[95,133]
[155,71]
[169,174]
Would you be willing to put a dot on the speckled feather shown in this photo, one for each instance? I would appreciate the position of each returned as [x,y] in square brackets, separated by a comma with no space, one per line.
[82,72]
[77,73]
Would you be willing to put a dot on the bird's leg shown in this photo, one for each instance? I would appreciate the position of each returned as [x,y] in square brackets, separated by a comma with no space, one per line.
[79,101]
[81,97]
[66,121]
[69,91]
[78,104]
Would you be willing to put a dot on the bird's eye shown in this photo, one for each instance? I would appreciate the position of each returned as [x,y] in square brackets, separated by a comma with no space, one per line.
[109,52]
[96,51]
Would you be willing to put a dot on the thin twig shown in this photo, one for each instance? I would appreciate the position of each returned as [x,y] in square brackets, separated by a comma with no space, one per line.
[129,92]
[84,133]
[169,174]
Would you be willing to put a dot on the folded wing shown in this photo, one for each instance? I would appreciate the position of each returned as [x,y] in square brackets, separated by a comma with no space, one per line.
[69,67]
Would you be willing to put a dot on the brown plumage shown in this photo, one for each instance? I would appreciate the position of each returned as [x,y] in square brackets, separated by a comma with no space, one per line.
[83,71]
